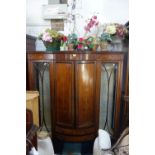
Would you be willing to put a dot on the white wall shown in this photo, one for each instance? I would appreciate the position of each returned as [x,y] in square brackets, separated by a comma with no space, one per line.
[34,21]
[53,1]
[116,11]
[108,11]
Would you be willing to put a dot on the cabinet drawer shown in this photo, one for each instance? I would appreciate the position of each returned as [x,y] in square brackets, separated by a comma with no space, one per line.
[75,56]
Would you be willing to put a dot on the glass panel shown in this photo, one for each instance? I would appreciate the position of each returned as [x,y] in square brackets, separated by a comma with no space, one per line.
[107,96]
[43,85]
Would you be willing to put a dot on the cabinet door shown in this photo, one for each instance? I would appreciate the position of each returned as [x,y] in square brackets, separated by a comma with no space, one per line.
[63,94]
[85,94]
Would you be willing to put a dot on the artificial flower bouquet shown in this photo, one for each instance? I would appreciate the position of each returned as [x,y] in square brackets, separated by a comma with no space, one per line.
[56,41]
[115,30]
[75,43]
[91,41]
[72,41]
[52,39]
[113,36]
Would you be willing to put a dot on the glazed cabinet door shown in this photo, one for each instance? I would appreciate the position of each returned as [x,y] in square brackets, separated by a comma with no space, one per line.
[62,93]
[109,81]
[85,78]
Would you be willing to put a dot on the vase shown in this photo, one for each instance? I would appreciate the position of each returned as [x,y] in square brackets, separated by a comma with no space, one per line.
[117,44]
[70,47]
[103,45]
[95,47]
[53,47]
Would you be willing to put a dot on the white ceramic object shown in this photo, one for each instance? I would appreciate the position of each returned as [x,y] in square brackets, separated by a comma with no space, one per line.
[104,139]
[102,142]
[45,146]
[33,151]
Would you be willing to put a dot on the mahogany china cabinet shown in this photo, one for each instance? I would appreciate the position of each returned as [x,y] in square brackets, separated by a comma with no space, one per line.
[85,91]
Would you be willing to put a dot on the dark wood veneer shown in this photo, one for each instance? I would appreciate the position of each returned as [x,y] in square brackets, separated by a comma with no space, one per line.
[75,91]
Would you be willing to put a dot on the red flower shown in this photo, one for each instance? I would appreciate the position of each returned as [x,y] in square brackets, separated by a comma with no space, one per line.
[81,39]
[64,38]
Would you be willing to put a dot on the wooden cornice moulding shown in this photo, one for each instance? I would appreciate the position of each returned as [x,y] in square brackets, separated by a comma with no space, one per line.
[114,56]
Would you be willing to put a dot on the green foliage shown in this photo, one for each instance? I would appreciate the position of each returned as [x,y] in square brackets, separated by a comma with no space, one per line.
[90,42]
[72,38]
[105,37]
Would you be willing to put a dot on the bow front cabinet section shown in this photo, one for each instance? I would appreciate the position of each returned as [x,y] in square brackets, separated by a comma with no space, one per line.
[75,91]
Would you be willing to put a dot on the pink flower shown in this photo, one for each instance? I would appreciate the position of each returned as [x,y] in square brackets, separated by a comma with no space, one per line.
[97,23]
[95,17]
[87,28]
[79,46]
[90,25]
[46,37]
[81,39]
[92,22]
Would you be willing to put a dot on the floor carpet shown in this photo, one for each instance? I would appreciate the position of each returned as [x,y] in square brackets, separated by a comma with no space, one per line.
[72,148]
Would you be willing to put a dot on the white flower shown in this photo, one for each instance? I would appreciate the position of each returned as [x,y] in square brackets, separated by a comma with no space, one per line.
[111,29]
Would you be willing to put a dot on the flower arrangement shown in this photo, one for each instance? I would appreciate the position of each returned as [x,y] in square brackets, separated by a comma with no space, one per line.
[51,39]
[72,41]
[91,41]
[75,42]
[72,38]
[115,30]
[83,43]
[80,43]
[115,34]
[64,40]
[63,45]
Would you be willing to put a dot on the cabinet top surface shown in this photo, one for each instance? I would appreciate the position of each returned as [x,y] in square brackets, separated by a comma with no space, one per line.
[76,55]
[74,52]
